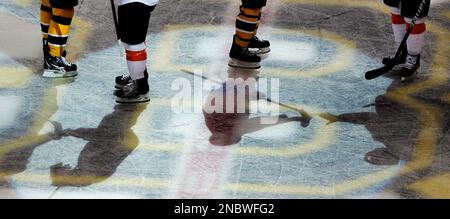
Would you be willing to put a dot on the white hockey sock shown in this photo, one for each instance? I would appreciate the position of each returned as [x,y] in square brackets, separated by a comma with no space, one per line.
[416,40]
[136,60]
[415,43]
[398,26]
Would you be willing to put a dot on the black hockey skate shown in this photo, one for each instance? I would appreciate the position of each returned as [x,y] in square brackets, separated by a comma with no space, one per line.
[410,68]
[59,67]
[242,58]
[134,92]
[259,46]
[125,79]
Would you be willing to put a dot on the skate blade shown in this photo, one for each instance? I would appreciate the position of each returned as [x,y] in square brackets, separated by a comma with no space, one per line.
[263,56]
[140,99]
[59,74]
[408,78]
[260,51]
[240,64]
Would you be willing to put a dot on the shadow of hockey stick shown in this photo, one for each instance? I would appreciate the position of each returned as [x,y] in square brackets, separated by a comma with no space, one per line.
[302,112]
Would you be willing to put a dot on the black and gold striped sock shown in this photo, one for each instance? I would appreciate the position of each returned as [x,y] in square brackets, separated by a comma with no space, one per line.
[45,17]
[59,30]
[247,24]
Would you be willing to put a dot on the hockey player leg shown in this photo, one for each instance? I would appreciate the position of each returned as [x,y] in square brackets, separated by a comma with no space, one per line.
[133,23]
[136,90]
[399,30]
[56,66]
[45,19]
[256,45]
[415,43]
[416,40]
[246,25]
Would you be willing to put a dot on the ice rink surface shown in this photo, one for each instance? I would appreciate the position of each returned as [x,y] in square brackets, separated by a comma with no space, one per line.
[67,138]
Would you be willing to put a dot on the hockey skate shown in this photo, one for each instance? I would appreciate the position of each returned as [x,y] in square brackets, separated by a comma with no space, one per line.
[59,67]
[410,68]
[242,58]
[259,46]
[125,79]
[134,92]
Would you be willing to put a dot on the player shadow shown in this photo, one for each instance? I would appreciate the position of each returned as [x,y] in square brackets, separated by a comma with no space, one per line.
[388,126]
[15,157]
[108,146]
[16,160]
[227,128]
[393,125]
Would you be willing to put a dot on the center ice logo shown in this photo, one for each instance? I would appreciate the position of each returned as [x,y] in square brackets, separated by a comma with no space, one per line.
[310,77]
[317,141]
[315,79]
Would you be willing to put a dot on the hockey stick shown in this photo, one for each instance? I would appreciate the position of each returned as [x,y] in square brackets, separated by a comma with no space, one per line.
[301,111]
[116,25]
[385,69]
[116,21]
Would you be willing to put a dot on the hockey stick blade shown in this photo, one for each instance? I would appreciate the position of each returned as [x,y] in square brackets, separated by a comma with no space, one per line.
[378,72]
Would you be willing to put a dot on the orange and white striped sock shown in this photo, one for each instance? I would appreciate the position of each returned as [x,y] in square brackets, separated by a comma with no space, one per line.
[398,25]
[136,60]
